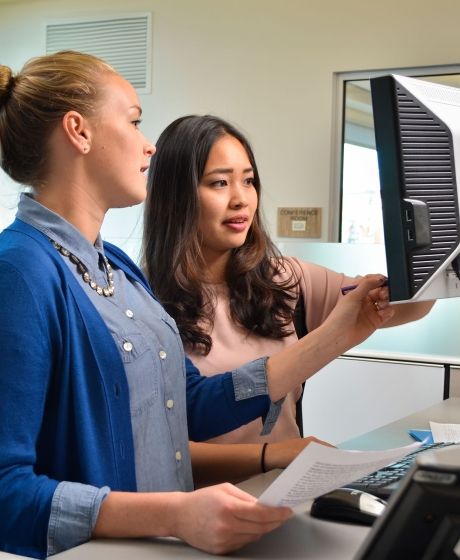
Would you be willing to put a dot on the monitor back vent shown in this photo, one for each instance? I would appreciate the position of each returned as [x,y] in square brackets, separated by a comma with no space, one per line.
[429,176]
[123,42]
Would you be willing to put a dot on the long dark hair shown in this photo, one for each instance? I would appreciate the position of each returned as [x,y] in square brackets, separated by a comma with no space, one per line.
[172,256]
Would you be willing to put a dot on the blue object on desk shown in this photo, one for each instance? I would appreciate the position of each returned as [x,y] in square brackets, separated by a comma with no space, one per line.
[422,435]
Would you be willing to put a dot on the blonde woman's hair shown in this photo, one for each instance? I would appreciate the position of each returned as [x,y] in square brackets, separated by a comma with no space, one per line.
[33,101]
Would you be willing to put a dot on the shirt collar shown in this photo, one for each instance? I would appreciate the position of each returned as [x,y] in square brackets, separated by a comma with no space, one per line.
[60,230]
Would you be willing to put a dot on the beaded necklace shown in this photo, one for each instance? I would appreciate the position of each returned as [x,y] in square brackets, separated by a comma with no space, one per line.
[106,291]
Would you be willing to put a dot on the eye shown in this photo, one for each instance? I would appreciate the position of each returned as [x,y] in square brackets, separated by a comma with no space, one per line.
[249,181]
[219,183]
[136,122]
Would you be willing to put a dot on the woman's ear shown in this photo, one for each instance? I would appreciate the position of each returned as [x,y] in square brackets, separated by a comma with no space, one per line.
[75,128]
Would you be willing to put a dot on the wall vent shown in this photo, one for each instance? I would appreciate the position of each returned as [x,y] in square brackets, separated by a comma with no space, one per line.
[123,42]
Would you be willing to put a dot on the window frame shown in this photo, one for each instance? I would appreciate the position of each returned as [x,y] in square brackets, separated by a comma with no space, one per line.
[338,129]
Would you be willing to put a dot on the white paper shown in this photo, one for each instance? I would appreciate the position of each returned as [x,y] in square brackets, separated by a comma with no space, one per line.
[445,432]
[319,469]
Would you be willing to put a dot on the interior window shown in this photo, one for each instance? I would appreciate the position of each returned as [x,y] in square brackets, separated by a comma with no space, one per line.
[360,205]
[9,196]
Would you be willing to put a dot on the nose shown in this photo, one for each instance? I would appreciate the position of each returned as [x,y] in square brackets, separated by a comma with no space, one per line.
[238,199]
[149,149]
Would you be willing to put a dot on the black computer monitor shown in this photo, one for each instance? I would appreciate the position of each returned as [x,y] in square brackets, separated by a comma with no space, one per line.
[422,519]
[417,132]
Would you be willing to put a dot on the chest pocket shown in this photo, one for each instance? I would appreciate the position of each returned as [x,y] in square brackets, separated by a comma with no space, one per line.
[171,323]
[176,343]
[131,346]
[141,373]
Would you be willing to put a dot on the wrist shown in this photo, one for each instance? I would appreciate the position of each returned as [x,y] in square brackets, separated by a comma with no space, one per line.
[139,514]
[172,514]
[332,339]
[263,458]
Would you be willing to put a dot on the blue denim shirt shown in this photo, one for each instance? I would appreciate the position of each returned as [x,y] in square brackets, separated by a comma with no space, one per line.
[152,357]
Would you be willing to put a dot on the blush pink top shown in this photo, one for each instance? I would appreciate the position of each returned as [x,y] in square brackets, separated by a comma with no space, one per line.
[233,346]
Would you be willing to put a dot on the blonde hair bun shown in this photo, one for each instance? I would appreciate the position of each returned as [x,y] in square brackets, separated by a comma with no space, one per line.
[6,83]
[33,102]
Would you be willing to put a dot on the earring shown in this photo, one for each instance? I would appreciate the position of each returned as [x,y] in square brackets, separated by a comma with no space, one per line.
[85,149]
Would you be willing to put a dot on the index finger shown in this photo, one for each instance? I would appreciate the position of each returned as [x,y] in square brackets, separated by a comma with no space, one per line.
[370,282]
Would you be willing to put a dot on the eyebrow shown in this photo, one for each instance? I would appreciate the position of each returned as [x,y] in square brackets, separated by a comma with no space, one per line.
[227,170]
[138,108]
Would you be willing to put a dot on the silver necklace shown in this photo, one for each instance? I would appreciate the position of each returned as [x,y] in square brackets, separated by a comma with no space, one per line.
[106,291]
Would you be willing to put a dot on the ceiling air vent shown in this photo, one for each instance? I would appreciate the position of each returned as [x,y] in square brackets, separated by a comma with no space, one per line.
[123,42]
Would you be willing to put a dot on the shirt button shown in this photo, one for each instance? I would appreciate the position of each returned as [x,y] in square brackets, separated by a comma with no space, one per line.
[178,455]
[162,354]
[169,403]
[129,313]
[127,346]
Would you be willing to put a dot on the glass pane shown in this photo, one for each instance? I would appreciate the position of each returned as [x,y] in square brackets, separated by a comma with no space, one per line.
[361,216]
[9,197]
[361,207]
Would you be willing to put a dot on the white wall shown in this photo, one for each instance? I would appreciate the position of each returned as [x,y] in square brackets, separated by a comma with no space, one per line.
[266,65]
[352,397]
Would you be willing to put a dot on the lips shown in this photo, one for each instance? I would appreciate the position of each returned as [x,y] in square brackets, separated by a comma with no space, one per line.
[236,220]
[237,224]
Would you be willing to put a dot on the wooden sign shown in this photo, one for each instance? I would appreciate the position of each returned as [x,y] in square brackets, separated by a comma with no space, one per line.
[299,222]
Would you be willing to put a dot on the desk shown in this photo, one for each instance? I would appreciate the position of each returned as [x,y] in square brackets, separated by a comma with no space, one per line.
[396,433]
[302,537]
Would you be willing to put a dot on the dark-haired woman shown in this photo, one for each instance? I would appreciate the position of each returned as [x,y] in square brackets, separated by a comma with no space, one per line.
[230,292]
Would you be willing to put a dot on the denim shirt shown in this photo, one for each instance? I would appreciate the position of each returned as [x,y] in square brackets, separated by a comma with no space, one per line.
[153,358]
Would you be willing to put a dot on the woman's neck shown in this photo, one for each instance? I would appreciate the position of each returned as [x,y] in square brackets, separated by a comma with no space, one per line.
[216,267]
[81,213]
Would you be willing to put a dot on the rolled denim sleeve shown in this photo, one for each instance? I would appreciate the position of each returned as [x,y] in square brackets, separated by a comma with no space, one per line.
[250,381]
[74,511]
